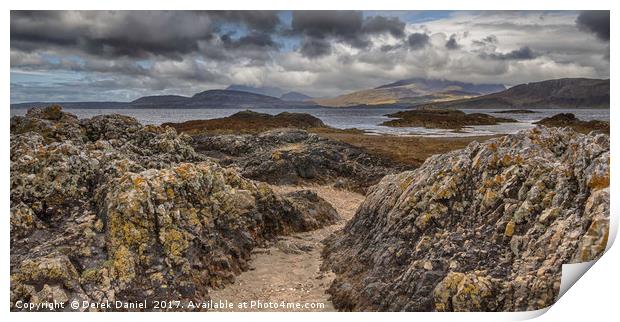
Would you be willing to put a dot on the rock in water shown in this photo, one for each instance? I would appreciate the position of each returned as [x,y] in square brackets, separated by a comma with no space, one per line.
[108,209]
[569,120]
[248,122]
[430,117]
[486,228]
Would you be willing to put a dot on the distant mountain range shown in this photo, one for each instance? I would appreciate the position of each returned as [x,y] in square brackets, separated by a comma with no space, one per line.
[412,91]
[559,93]
[555,93]
[218,98]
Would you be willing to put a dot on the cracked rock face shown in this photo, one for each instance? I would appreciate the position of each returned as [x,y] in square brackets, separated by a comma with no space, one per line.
[486,228]
[108,209]
[290,156]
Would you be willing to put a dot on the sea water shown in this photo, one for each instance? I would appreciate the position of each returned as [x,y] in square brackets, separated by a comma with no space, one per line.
[367,118]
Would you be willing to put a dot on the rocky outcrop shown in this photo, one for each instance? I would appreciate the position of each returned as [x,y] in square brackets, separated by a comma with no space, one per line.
[570,120]
[291,156]
[108,209]
[442,119]
[248,122]
[486,228]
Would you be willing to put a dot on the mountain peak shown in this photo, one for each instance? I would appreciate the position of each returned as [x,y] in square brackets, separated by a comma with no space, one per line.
[262,90]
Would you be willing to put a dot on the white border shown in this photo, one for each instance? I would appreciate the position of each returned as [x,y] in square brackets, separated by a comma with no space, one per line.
[593,297]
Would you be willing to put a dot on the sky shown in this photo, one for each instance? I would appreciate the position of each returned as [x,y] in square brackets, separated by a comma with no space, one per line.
[123,55]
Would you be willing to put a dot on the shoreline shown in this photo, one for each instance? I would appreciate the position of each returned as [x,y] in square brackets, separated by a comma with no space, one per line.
[338,118]
[410,150]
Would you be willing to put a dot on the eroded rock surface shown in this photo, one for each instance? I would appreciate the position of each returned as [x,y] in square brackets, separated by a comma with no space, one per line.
[486,228]
[108,209]
[290,156]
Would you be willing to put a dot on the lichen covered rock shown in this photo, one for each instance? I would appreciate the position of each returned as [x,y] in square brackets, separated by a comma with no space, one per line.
[119,211]
[483,228]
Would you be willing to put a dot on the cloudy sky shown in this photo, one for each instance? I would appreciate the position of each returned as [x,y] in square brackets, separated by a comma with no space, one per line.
[122,55]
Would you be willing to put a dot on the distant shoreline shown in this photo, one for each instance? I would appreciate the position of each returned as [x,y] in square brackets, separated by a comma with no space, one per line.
[123,105]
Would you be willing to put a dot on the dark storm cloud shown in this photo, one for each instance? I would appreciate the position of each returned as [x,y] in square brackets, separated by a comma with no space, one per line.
[350,27]
[323,24]
[380,24]
[135,33]
[418,40]
[111,34]
[313,48]
[451,43]
[264,21]
[254,40]
[523,53]
[32,29]
[115,47]
[596,22]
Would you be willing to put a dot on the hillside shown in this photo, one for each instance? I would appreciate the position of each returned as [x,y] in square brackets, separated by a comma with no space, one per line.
[264,90]
[228,98]
[159,101]
[412,91]
[556,93]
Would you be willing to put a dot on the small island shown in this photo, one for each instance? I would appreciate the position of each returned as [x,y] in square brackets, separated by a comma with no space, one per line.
[570,120]
[437,118]
[246,122]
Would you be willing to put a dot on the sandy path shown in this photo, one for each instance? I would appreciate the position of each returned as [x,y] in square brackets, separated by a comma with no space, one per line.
[289,272]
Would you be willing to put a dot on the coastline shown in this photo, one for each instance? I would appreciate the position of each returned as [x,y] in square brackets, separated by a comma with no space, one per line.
[254,203]
[367,119]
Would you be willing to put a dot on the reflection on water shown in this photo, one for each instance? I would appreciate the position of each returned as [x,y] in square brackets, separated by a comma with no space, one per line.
[362,118]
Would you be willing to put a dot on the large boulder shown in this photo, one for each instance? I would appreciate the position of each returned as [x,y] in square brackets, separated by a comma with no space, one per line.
[485,228]
[121,211]
[51,123]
